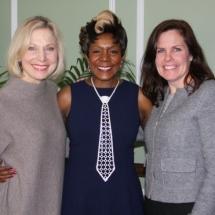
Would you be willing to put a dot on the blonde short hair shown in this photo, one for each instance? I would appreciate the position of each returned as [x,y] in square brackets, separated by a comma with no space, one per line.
[21,40]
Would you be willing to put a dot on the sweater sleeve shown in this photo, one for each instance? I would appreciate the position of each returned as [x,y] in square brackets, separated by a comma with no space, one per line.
[205,202]
[4,139]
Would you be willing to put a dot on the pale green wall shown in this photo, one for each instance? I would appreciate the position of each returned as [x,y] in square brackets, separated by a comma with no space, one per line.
[4,31]
[70,15]
[200,15]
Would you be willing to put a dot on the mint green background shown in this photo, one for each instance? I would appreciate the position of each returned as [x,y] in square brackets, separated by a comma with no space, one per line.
[70,15]
[5,34]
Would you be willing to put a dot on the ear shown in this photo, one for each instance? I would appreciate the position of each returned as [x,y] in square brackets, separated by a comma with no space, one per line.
[123,57]
[86,58]
[190,58]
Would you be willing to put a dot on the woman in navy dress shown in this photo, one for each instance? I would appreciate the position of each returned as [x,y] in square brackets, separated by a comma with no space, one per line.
[102,116]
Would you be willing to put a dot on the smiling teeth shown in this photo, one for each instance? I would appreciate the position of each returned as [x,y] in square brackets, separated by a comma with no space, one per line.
[169,67]
[40,67]
[104,68]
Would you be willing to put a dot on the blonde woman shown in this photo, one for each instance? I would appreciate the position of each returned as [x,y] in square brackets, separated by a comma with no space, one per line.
[32,129]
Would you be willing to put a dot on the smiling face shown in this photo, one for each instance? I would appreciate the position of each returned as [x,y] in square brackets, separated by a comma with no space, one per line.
[172,59]
[104,60]
[41,58]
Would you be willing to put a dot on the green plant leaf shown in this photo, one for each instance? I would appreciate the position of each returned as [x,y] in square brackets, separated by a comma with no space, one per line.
[78,73]
[81,64]
[3,73]
[2,83]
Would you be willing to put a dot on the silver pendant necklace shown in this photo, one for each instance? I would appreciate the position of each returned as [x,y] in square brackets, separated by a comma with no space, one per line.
[105,164]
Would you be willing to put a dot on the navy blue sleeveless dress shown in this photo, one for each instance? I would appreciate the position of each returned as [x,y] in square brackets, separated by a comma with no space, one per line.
[85,192]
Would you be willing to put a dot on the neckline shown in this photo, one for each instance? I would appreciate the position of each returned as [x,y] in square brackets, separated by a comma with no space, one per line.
[26,89]
[98,88]
[104,99]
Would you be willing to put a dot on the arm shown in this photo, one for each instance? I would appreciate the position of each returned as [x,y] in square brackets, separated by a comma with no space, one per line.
[205,201]
[65,100]
[145,107]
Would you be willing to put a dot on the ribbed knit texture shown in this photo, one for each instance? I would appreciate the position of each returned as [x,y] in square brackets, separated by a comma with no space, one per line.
[32,142]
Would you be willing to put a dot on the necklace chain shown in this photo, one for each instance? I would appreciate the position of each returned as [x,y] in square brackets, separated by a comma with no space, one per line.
[100,97]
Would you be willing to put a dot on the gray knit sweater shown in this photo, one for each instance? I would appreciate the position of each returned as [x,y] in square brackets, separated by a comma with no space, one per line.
[32,141]
[181,150]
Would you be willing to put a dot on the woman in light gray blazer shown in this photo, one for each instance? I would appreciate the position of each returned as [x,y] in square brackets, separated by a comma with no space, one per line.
[180,135]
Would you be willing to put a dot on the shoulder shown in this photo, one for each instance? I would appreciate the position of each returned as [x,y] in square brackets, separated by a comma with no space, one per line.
[206,90]
[145,107]
[64,94]
[143,101]
[208,85]
[129,87]
[52,86]
[130,84]
[64,98]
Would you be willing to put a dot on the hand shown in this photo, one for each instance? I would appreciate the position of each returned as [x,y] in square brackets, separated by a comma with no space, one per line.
[6,172]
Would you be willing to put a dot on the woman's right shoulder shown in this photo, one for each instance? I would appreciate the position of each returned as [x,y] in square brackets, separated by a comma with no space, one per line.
[64,98]
[65,90]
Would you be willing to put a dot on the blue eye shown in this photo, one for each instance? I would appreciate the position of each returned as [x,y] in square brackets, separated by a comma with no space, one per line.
[31,48]
[177,49]
[49,48]
[160,50]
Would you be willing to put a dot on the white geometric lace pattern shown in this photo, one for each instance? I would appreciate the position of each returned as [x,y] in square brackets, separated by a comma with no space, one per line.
[105,165]
[105,160]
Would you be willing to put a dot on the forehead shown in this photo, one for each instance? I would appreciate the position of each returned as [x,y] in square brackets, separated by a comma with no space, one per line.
[105,39]
[170,36]
[42,34]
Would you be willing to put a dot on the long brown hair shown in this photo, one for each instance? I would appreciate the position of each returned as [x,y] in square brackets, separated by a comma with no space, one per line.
[152,83]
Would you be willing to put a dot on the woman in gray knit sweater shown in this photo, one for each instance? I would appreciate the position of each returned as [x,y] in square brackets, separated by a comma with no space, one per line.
[180,135]
[32,129]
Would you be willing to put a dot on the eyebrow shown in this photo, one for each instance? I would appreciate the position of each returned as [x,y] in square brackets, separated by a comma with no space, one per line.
[172,47]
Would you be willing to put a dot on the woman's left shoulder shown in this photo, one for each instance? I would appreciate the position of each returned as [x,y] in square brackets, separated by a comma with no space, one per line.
[208,85]
[206,90]
[128,83]
[51,85]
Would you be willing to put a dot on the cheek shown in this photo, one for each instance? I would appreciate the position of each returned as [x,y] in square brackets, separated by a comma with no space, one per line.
[54,58]
[157,63]
[118,62]
[26,58]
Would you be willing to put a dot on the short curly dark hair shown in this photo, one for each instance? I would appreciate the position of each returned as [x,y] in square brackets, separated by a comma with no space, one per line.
[105,22]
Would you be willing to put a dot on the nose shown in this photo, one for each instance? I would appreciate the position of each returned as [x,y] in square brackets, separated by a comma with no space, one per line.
[104,56]
[41,55]
[168,56]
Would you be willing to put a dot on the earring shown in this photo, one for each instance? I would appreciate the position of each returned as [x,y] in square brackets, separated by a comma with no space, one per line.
[120,67]
[88,66]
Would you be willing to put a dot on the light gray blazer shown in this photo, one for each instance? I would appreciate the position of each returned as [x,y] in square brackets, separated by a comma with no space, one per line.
[181,150]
